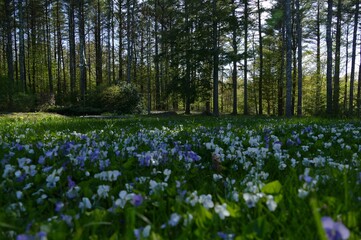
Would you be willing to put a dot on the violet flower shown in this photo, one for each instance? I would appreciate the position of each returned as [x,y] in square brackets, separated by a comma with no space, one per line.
[334,230]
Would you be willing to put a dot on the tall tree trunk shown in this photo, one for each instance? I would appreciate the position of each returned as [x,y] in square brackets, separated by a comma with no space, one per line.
[329,56]
[336,78]
[188,64]
[9,50]
[346,74]
[245,111]
[318,62]
[299,59]
[48,46]
[98,46]
[129,43]
[235,53]
[215,60]
[72,50]
[113,42]
[16,63]
[59,50]
[149,105]
[359,90]
[120,40]
[109,52]
[22,46]
[156,59]
[260,83]
[353,61]
[288,58]
[282,74]
[82,65]
[294,71]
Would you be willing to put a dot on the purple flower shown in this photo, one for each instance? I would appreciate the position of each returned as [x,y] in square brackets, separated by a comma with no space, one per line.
[59,206]
[137,200]
[71,183]
[289,142]
[226,236]
[41,160]
[334,230]
[24,237]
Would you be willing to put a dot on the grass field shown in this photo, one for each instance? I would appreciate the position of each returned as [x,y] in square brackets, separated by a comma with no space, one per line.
[179,177]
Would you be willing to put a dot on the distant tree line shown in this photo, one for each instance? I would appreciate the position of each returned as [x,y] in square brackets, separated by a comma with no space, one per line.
[284,57]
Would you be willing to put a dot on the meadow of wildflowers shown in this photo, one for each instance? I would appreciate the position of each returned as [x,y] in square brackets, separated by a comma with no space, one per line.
[179,178]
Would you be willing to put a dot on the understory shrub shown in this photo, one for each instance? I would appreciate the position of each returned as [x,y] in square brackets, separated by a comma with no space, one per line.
[23,102]
[122,99]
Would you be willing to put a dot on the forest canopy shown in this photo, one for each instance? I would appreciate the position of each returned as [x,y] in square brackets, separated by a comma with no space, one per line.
[263,57]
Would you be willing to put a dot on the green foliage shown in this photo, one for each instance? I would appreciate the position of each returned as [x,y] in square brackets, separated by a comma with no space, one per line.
[121,99]
[23,102]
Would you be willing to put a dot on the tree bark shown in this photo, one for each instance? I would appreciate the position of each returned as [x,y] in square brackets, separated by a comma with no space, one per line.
[215,60]
[281,76]
[245,111]
[235,53]
[318,62]
[336,78]
[353,61]
[260,81]
[9,50]
[82,65]
[329,57]
[299,59]
[98,46]
[22,47]
[288,58]
[72,50]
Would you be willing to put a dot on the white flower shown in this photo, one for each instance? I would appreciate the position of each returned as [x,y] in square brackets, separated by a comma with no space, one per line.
[221,210]
[167,173]
[254,141]
[271,204]
[192,199]
[146,231]
[85,204]
[122,200]
[217,177]
[206,200]
[19,195]
[302,193]
[73,192]
[18,173]
[235,196]
[251,200]
[8,169]
[174,219]
[103,191]
[52,179]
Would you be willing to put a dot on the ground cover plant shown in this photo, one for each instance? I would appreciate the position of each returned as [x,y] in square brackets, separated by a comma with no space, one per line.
[179,178]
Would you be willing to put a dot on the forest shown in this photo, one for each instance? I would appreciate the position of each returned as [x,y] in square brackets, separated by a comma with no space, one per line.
[251,57]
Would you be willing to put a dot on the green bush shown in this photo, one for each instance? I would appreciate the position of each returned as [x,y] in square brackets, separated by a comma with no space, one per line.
[122,99]
[23,102]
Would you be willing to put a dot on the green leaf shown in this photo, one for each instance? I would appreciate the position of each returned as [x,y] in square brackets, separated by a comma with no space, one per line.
[274,188]
[352,219]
